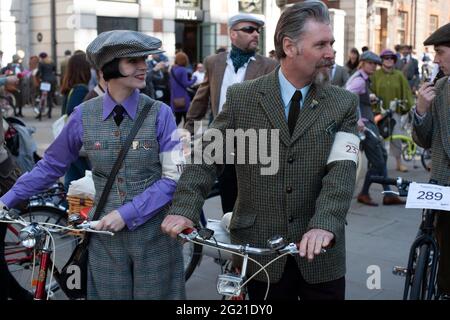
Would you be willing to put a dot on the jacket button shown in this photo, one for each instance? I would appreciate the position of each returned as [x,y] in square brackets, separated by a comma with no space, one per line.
[122,194]
[120,180]
[117,133]
[289,190]
[290,160]
[290,219]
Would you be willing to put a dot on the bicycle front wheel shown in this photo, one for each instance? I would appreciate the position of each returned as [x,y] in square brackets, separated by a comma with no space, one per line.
[20,259]
[421,274]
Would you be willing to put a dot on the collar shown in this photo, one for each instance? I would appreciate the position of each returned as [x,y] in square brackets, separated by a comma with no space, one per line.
[288,90]
[130,104]
[230,62]
[363,74]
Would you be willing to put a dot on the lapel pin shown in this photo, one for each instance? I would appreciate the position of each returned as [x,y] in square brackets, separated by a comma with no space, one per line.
[97,146]
[135,145]
[314,103]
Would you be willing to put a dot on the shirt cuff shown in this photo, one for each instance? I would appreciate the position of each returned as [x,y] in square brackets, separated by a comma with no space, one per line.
[419,118]
[8,199]
[130,215]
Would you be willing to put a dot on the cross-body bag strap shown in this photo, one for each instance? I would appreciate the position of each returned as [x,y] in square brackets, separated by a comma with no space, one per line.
[177,81]
[120,158]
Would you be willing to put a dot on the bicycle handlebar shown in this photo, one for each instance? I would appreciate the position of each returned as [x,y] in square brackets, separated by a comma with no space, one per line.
[276,245]
[86,226]
[399,181]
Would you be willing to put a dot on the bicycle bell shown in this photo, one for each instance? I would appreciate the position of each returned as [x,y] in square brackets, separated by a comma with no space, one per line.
[276,243]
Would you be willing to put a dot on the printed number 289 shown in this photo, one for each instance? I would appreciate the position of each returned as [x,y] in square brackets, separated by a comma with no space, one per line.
[429,195]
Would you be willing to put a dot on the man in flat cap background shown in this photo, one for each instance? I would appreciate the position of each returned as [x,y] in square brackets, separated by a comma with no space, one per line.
[222,70]
[432,130]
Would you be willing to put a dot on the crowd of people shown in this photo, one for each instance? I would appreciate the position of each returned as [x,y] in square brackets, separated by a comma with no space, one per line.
[317,108]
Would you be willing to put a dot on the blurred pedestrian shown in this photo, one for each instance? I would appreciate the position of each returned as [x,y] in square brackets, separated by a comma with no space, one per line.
[47,73]
[179,85]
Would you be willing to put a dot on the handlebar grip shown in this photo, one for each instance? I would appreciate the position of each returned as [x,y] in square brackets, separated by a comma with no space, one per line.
[187,231]
[384,180]
[93,224]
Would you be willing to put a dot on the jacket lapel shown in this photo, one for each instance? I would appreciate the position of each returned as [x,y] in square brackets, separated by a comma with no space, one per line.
[253,68]
[271,103]
[219,73]
[309,112]
[445,117]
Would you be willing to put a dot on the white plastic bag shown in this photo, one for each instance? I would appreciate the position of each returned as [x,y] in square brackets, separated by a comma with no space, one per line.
[83,188]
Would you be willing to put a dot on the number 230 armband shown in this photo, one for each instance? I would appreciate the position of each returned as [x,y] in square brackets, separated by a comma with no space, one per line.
[345,147]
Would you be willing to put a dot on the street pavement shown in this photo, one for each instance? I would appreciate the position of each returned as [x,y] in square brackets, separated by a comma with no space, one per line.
[377,238]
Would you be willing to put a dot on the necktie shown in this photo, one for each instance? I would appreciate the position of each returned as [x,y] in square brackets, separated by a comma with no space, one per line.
[118,110]
[294,110]
[404,60]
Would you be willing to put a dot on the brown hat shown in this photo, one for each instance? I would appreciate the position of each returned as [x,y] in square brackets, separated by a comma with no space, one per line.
[440,36]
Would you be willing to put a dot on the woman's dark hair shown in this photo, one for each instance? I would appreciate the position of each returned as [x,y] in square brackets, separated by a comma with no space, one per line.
[78,72]
[353,65]
[111,70]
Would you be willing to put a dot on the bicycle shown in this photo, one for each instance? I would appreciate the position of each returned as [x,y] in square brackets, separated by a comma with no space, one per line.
[423,260]
[386,123]
[38,236]
[231,284]
[48,207]
[41,108]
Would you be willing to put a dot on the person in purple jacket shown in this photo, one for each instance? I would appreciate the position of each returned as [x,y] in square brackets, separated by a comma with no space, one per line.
[139,261]
[179,84]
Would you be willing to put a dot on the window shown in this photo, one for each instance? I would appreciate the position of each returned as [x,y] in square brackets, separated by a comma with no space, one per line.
[116,23]
[434,23]
[402,27]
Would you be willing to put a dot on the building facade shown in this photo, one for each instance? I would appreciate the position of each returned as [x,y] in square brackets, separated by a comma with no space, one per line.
[198,27]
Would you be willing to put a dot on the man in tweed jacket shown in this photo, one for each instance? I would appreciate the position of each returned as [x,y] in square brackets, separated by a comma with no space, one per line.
[432,130]
[306,200]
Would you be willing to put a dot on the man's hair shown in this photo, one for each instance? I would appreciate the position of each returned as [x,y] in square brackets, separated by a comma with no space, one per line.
[67,53]
[293,20]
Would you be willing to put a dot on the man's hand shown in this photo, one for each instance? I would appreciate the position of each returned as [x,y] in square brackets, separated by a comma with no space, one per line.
[425,96]
[174,225]
[111,222]
[361,125]
[313,241]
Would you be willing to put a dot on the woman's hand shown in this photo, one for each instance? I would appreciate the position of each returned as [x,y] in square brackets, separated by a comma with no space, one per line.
[111,222]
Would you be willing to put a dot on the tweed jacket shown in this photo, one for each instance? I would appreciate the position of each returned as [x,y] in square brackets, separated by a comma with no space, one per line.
[209,91]
[340,76]
[410,70]
[434,132]
[305,193]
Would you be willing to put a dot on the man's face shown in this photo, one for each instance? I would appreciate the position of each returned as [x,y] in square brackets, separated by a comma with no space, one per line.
[245,36]
[442,58]
[314,55]
[404,51]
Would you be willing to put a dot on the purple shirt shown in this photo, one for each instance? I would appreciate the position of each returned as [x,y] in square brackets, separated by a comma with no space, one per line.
[64,150]
[358,84]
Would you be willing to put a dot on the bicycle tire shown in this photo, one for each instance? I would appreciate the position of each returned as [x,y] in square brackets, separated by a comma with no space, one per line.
[192,253]
[64,246]
[425,158]
[419,278]
[406,155]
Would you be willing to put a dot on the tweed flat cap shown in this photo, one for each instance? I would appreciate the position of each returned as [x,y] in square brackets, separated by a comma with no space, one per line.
[120,44]
[370,56]
[440,36]
[245,17]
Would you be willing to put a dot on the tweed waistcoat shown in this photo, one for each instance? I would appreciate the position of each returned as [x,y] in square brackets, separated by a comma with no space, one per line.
[103,140]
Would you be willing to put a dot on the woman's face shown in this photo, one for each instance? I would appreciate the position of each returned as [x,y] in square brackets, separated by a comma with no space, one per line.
[134,70]
[388,62]
[353,57]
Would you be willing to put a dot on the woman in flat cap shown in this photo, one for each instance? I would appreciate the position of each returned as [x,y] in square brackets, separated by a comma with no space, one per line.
[139,261]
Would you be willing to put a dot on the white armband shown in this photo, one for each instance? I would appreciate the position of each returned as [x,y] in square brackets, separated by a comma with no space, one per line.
[172,163]
[345,147]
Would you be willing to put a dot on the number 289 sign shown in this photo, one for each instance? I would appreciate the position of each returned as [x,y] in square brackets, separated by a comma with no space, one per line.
[428,196]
